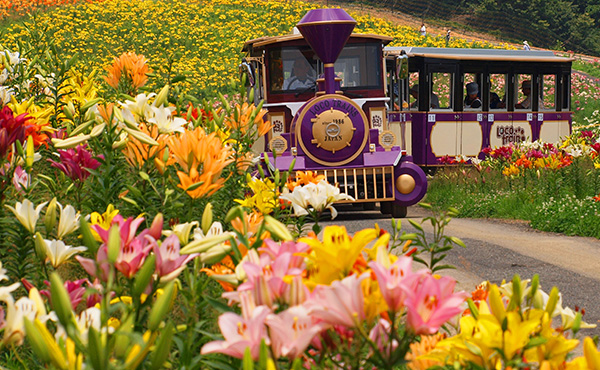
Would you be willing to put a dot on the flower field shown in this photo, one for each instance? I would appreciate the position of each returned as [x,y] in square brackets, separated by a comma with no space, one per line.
[137,234]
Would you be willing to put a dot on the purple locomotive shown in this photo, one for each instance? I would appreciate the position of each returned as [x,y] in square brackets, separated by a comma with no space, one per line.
[344,105]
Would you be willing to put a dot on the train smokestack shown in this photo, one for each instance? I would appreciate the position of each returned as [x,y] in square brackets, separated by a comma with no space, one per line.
[326,31]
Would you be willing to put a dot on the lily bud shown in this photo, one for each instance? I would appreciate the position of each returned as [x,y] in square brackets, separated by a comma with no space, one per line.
[114,243]
[71,142]
[30,152]
[61,304]
[98,130]
[87,236]
[40,247]
[50,217]
[203,245]
[207,217]
[36,341]
[215,254]
[278,229]
[144,276]
[82,127]
[161,306]
[140,136]
[161,98]
[69,110]
[496,304]
[163,348]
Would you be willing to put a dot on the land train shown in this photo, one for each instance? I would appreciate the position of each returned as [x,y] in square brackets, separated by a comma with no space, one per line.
[354,114]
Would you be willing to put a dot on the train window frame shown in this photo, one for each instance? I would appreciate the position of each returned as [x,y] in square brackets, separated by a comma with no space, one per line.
[432,89]
[374,70]
[303,50]
[543,89]
[476,77]
[519,96]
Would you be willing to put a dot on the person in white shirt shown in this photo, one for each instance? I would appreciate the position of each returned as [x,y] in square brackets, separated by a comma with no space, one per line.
[526,46]
[301,76]
[423,30]
[526,103]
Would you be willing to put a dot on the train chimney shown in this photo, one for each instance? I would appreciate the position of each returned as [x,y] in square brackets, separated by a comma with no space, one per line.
[326,31]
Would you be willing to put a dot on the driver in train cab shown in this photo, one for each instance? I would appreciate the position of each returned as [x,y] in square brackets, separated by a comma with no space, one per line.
[526,103]
[301,76]
[414,92]
[472,99]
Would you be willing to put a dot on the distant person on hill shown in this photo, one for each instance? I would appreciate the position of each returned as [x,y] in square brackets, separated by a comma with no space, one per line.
[423,30]
[526,46]
[447,38]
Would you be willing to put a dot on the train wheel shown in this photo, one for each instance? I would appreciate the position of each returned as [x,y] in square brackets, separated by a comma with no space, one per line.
[399,211]
[368,206]
[385,208]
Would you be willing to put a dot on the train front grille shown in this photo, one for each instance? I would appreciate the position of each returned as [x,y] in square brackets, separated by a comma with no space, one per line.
[372,184]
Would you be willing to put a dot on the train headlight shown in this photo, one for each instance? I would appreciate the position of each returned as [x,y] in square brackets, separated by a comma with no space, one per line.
[405,183]
[387,139]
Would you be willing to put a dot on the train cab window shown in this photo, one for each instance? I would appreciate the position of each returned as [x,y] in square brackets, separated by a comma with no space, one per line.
[441,91]
[548,92]
[413,96]
[524,92]
[292,69]
[497,92]
[472,92]
[356,69]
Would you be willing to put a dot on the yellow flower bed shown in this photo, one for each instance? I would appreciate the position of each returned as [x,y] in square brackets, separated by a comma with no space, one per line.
[203,38]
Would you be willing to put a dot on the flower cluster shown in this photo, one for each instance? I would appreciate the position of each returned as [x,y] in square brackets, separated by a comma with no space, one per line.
[296,297]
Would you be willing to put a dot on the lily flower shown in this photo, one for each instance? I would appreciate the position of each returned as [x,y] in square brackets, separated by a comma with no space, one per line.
[57,252]
[394,282]
[431,303]
[240,333]
[341,303]
[75,163]
[68,222]
[164,120]
[26,214]
[291,331]
[169,263]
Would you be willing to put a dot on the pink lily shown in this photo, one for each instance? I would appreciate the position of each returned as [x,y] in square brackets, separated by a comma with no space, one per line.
[240,333]
[91,266]
[74,288]
[380,335]
[273,250]
[395,281]
[341,303]
[169,263]
[127,228]
[291,331]
[132,255]
[432,303]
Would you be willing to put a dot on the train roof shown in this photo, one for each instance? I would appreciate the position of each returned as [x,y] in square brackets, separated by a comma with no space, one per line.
[480,54]
[268,40]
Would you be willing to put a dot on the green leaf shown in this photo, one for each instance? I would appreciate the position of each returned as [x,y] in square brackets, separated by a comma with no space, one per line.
[217,304]
[457,241]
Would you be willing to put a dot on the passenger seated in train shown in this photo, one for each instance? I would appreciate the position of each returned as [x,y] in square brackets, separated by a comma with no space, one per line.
[301,77]
[526,103]
[495,102]
[414,91]
[472,100]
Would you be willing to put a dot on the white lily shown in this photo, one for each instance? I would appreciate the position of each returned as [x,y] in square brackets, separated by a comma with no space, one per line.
[31,307]
[567,316]
[165,122]
[90,318]
[5,92]
[68,222]
[298,198]
[26,213]
[182,231]
[140,106]
[58,252]
[3,275]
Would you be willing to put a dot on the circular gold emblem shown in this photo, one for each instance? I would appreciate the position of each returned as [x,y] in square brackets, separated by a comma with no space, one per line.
[332,130]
